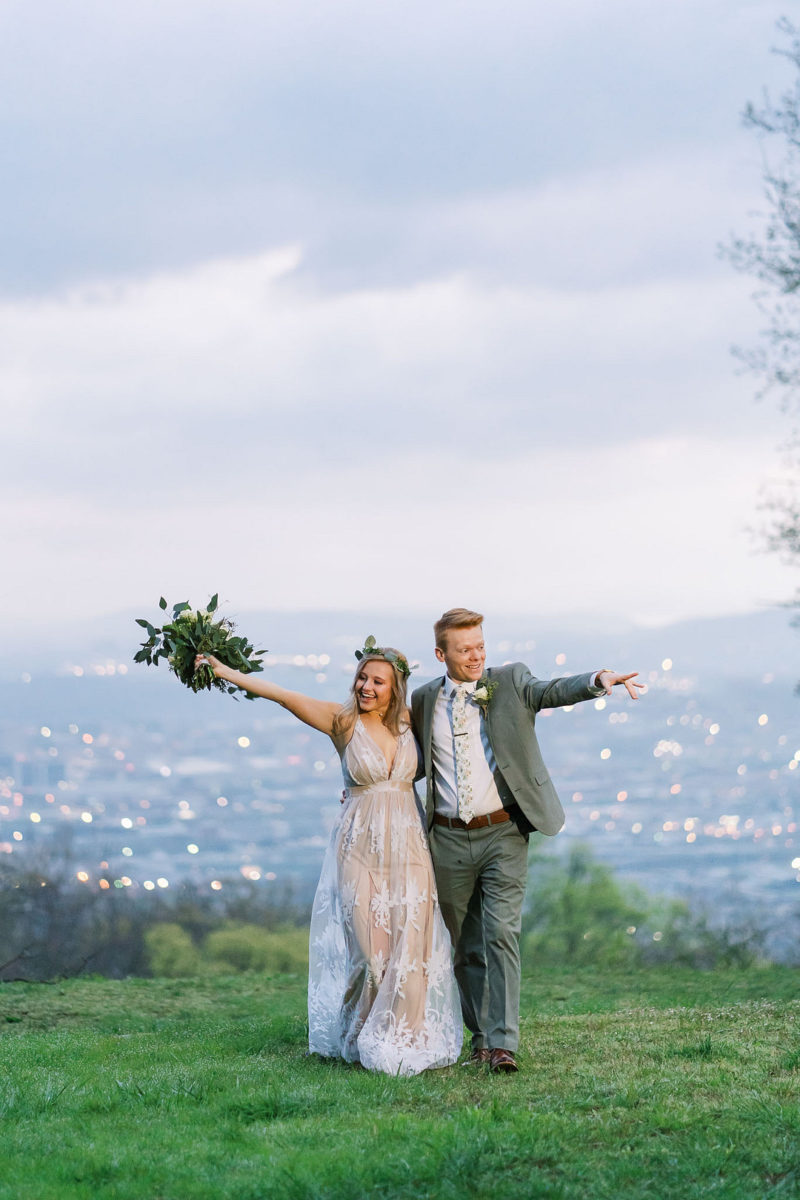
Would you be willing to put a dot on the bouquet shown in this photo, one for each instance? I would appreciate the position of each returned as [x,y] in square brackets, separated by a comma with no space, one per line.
[192,632]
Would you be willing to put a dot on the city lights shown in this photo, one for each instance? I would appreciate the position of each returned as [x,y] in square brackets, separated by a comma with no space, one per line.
[699,785]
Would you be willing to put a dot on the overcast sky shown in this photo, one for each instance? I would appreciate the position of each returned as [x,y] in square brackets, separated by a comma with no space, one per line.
[381,304]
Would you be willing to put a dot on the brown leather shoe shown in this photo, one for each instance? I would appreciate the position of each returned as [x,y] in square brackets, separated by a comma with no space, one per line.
[477,1058]
[502,1062]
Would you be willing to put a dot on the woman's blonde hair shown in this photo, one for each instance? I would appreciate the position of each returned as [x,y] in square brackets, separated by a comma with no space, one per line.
[395,717]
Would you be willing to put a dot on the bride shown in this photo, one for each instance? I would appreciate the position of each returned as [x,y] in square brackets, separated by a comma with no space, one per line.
[381,989]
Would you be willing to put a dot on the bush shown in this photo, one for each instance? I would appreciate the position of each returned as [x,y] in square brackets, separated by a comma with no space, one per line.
[53,926]
[578,913]
[689,939]
[251,948]
[171,953]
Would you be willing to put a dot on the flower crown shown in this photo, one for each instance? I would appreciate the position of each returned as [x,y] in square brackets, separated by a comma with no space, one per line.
[371,650]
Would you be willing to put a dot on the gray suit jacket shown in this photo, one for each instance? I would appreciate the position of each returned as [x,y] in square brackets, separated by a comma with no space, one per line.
[522,778]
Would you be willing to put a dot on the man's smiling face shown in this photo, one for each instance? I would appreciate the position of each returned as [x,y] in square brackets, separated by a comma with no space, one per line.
[464,654]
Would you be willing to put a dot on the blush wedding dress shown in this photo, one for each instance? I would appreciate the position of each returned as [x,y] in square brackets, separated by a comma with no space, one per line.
[381,988]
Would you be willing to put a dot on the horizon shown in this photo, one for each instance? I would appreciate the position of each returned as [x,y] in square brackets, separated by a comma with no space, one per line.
[759,645]
[423,612]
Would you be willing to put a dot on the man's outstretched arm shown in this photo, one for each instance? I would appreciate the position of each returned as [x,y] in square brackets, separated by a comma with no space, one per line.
[570,689]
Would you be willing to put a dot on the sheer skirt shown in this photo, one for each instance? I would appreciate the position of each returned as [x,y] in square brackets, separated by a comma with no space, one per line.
[381,985]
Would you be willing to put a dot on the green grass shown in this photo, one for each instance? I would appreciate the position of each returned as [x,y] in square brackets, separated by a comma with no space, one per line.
[657,1083]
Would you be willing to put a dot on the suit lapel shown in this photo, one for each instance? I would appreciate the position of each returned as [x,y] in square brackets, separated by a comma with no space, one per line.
[428,704]
[488,714]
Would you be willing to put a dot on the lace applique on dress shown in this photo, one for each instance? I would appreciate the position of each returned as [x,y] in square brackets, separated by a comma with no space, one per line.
[381,985]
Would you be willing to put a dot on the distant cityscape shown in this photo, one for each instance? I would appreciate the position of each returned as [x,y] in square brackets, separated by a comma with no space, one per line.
[138,784]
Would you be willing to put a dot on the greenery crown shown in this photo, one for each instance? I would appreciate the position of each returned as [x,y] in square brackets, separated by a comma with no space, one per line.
[371,650]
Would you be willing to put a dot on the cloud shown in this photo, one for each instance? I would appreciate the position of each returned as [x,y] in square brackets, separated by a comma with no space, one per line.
[655,531]
[171,133]
[276,276]
[125,390]
[661,216]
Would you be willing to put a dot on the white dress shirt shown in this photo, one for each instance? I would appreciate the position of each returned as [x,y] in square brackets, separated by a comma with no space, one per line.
[485,796]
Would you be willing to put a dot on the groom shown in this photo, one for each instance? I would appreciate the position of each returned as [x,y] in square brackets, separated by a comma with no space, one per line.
[487,790]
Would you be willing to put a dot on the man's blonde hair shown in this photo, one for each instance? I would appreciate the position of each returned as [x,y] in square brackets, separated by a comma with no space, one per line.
[455,618]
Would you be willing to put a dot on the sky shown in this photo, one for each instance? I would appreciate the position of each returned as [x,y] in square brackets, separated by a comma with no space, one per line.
[382,305]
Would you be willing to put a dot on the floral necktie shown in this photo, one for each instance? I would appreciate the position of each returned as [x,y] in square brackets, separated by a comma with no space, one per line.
[463,764]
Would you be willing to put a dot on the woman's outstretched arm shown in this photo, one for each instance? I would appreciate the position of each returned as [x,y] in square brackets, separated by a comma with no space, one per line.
[319,714]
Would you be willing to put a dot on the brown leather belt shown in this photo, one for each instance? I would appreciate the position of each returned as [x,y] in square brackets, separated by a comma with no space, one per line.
[492,818]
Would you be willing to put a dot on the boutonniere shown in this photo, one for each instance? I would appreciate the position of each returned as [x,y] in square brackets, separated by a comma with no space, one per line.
[484,691]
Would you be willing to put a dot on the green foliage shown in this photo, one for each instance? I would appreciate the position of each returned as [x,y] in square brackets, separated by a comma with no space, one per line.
[371,648]
[689,938]
[190,633]
[579,913]
[233,949]
[250,948]
[52,926]
[171,952]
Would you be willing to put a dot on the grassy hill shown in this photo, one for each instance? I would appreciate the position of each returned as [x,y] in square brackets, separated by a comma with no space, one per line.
[658,1083]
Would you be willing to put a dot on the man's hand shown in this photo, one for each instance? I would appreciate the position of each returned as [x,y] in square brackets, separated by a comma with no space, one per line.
[608,680]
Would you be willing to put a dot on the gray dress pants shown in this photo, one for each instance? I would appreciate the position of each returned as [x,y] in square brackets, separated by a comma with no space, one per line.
[480,877]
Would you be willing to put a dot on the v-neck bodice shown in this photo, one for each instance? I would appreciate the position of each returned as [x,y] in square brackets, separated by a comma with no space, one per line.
[364,762]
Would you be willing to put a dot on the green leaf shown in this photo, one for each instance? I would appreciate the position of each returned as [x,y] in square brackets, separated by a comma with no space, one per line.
[180,641]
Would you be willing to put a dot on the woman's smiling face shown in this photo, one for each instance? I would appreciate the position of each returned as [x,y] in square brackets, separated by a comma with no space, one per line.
[374,687]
